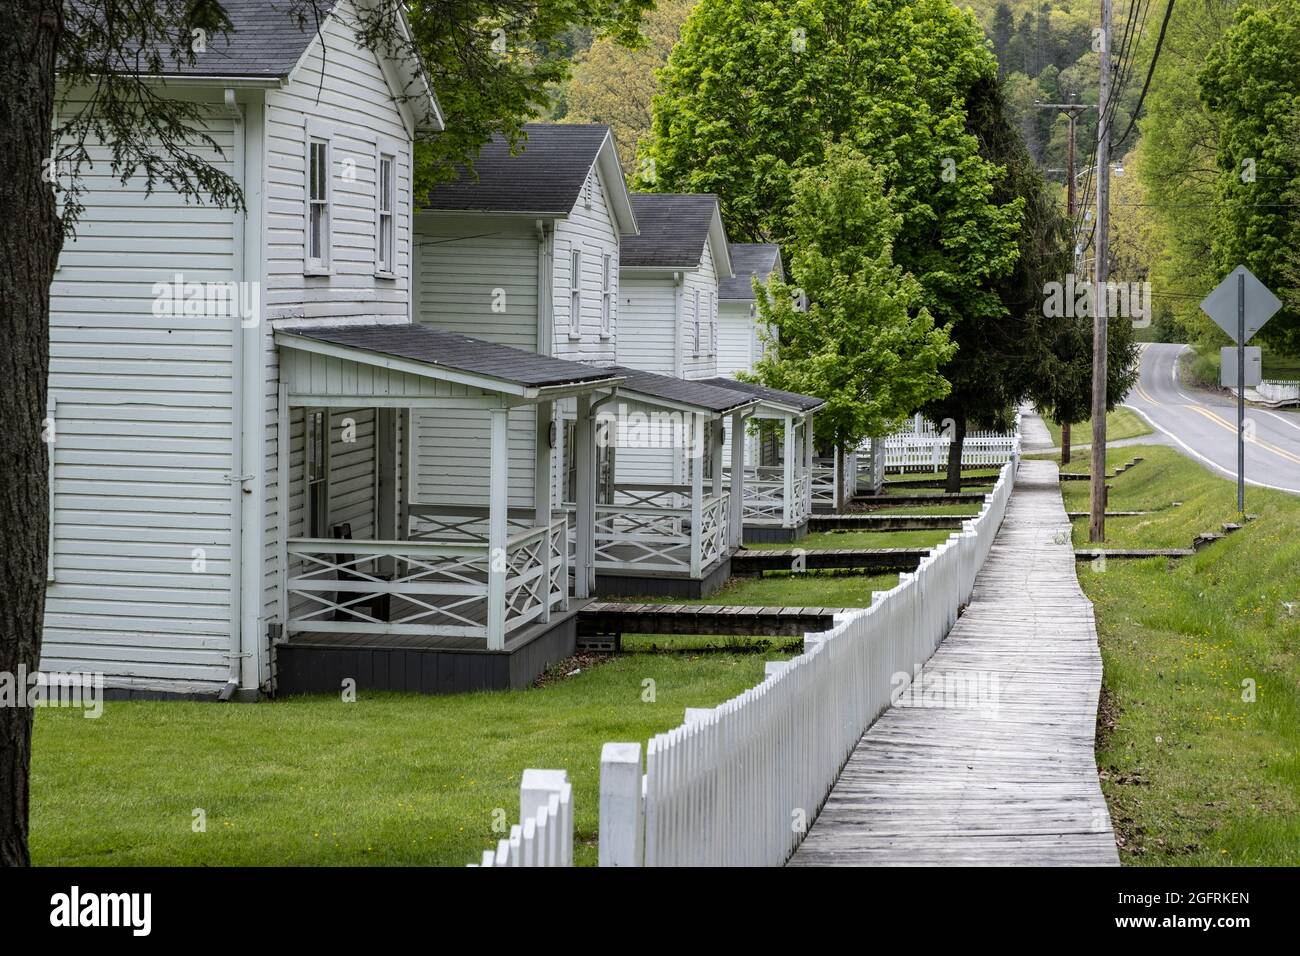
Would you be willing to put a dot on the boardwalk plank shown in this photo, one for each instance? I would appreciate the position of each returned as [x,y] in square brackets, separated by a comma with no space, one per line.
[1012,778]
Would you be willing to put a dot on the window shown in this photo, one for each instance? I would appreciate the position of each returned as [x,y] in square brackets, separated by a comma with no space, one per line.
[713,323]
[697,322]
[318,205]
[606,295]
[317,472]
[386,233]
[575,293]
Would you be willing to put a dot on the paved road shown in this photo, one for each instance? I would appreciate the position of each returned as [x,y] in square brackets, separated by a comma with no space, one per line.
[1203,425]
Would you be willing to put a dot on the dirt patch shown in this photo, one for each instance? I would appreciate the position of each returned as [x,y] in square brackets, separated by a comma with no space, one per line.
[570,667]
[1107,717]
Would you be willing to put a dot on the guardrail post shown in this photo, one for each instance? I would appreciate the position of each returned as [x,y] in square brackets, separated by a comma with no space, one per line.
[622,811]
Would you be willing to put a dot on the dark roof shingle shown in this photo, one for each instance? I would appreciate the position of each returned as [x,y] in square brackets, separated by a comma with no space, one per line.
[266,41]
[546,176]
[701,394]
[748,259]
[452,350]
[803,403]
[674,228]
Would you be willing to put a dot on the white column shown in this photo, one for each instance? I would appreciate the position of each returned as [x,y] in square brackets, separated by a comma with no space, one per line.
[282,475]
[715,455]
[498,508]
[695,462]
[807,463]
[737,479]
[542,496]
[584,458]
[386,482]
[788,489]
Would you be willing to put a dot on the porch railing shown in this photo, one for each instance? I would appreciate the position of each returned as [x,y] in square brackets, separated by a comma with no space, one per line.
[421,587]
[764,497]
[648,528]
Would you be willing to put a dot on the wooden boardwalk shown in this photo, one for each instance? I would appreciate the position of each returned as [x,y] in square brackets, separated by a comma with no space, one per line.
[1008,777]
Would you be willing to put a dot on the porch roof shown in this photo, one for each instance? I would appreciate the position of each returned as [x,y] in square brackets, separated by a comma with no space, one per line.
[448,356]
[658,389]
[771,396]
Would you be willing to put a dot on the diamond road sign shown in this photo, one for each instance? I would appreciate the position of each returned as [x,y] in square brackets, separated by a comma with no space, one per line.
[1221,304]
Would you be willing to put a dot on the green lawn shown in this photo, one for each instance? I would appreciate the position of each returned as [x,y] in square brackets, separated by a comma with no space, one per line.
[1280,366]
[826,589]
[1120,424]
[966,511]
[390,779]
[1194,773]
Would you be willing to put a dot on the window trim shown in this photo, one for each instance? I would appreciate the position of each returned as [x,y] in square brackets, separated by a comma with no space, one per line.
[390,150]
[575,292]
[322,480]
[316,132]
[696,321]
[607,297]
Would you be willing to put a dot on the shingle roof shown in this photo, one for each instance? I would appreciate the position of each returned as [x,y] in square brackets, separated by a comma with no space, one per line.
[748,259]
[804,403]
[267,41]
[674,228]
[546,176]
[452,350]
[680,390]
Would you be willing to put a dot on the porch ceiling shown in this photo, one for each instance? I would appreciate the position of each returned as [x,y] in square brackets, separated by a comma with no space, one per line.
[441,356]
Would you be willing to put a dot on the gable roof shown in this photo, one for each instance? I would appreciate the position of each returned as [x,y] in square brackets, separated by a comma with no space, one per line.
[267,43]
[545,178]
[674,230]
[773,396]
[680,391]
[452,350]
[749,259]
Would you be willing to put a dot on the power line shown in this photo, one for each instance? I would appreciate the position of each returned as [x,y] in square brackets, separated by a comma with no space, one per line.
[1164,25]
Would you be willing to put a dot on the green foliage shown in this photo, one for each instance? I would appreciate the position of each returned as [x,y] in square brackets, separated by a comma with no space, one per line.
[1251,86]
[866,344]
[489,82]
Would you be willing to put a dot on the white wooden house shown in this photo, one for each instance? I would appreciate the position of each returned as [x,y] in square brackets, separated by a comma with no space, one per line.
[526,251]
[231,397]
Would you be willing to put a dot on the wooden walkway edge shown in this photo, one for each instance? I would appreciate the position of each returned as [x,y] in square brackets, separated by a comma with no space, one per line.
[992,761]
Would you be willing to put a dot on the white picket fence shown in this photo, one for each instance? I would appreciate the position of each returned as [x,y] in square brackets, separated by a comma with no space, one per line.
[544,835]
[922,447]
[738,784]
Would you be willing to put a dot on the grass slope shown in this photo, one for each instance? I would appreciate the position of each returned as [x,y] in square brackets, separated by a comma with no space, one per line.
[1120,424]
[1196,773]
[390,779]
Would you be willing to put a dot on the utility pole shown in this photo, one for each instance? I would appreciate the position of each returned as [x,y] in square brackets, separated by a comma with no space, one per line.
[1072,111]
[1097,496]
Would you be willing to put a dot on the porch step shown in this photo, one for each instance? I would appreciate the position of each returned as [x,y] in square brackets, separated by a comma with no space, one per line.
[891,522]
[605,618]
[942,498]
[755,561]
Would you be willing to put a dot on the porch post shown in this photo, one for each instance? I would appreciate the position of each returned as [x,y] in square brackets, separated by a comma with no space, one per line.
[584,463]
[715,455]
[498,506]
[283,471]
[788,488]
[386,511]
[807,463]
[737,479]
[542,497]
[695,461]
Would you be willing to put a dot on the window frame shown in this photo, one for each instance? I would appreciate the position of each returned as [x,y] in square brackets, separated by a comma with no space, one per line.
[321,265]
[607,297]
[575,292]
[696,321]
[316,483]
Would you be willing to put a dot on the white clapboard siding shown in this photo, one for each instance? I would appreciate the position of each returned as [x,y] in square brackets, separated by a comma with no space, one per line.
[590,228]
[646,319]
[452,461]
[356,103]
[143,438]
[703,364]
[737,350]
[738,784]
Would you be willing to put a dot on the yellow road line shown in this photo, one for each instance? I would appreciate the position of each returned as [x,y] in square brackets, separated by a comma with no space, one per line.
[1222,423]
[1143,392]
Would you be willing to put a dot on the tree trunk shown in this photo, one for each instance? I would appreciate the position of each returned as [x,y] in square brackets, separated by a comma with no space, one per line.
[953,484]
[1065,442]
[30,239]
